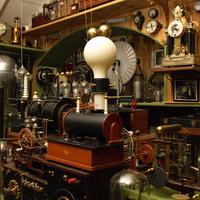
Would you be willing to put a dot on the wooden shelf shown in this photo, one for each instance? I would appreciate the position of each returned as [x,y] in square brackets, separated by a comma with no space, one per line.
[105,11]
[10,48]
[170,104]
[177,69]
[164,104]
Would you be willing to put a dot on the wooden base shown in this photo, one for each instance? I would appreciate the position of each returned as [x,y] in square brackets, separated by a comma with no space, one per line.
[85,158]
[184,60]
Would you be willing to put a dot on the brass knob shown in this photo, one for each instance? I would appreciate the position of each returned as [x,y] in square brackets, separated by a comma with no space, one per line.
[92,32]
[51,173]
[104,30]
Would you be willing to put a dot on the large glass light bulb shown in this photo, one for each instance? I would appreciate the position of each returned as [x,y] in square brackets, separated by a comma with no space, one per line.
[100,53]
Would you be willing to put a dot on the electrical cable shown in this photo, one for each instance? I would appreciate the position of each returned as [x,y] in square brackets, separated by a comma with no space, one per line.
[21,15]
[86,22]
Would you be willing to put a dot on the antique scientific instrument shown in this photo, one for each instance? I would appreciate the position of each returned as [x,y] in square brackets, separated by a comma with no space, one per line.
[15,34]
[92,135]
[88,144]
[129,180]
[124,67]
[176,151]
[181,40]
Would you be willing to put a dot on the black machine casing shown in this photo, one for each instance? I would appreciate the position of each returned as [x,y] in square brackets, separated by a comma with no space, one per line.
[29,187]
[50,181]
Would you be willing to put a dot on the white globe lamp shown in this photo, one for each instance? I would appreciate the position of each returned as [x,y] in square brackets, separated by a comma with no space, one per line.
[100,53]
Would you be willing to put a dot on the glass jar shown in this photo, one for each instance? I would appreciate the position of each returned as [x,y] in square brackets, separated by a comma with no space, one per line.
[129,184]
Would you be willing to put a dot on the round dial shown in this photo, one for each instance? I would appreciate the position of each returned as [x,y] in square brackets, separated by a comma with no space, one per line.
[153,13]
[139,20]
[153,26]
[175,28]
[136,19]
[2,28]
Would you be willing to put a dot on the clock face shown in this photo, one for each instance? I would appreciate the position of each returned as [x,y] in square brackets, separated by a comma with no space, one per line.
[2,28]
[153,26]
[175,28]
[153,13]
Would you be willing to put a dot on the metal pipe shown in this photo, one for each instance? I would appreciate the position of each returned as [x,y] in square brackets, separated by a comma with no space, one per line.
[2,112]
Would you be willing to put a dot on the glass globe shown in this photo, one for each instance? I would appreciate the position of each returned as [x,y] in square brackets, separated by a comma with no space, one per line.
[129,185]
[65,89]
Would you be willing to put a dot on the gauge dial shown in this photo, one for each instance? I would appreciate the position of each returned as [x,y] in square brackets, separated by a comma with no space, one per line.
[175,28]
[153,13]
[153,26]
[136,19]
[139,19]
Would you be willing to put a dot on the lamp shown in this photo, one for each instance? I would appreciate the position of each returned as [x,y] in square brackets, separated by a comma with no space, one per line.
[100,53]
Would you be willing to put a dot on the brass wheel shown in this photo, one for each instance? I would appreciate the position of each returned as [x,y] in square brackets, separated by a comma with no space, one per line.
[13,188]
[26,137]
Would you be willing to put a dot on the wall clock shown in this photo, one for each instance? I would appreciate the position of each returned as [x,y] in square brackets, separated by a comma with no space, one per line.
[153,26]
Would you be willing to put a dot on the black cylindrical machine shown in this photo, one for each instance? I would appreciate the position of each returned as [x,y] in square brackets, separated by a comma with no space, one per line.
[51,110]
[106,128]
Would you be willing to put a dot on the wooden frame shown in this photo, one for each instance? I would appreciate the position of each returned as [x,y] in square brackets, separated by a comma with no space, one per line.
[186,90]
[157,57]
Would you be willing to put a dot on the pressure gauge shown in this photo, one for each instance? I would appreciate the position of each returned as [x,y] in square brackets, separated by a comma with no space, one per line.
[139,19]
[2,28]
[153,26]
[136,19]
[153,13]
[175,28]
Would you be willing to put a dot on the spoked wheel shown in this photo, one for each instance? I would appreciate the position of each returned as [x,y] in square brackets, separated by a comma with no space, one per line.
[26,138]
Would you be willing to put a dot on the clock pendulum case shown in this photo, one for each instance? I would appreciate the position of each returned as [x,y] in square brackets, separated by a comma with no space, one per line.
[181,41]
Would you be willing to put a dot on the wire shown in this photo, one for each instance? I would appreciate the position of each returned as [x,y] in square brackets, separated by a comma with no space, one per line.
[91,21]
[86,22]
[21,13]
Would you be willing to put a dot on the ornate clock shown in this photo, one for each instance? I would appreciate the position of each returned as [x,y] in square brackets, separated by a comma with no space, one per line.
[181,40]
